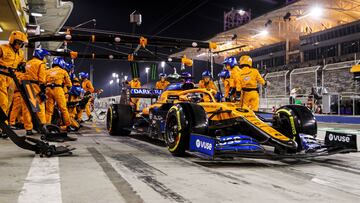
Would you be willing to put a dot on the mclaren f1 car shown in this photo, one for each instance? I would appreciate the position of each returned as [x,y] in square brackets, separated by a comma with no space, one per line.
[191,120]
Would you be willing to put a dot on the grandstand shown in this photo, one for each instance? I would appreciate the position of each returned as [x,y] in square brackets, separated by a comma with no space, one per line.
[304,44]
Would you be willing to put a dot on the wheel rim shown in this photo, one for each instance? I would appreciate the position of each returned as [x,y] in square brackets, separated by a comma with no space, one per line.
[172,130]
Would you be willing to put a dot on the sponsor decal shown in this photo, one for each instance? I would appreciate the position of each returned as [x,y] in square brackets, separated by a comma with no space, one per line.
[202,144]
[236,140]
[145,91]
[340,140]
[292,123]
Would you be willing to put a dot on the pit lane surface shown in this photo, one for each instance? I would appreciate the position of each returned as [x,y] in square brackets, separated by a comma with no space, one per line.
[136,169]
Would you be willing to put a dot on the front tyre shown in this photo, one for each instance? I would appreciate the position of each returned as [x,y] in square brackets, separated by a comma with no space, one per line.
[177,131]
[293,120]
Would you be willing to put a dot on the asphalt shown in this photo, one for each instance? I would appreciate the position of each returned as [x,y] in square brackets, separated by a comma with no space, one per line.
[104,168]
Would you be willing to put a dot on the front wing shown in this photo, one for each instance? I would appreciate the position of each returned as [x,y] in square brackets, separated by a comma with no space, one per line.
[212,148]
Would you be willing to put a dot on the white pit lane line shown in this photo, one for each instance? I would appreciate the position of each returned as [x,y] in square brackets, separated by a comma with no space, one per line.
[42,183]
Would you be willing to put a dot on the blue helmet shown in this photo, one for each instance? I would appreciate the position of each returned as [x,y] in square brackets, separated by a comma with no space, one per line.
[58,61]
[206,74]
[162,75]
[83,75]
[231,61]
[224,74]
[69,66]
[40,53]
[186,75]
[76,90]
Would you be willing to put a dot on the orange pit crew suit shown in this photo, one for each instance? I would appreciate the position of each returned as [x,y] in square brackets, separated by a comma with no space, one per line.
[250,78]
[35,73]
[56,79]
[162,84]
[11,56]
[88,88]
[73,100]
[207,83]
[135,83]
[224,75]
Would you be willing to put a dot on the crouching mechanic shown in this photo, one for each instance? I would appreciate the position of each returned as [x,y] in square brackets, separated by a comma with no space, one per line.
[35,73]
[235,89]
[207,83]
[162,83]
[75,94]
[11,56]
[88,88]
[224,76]
[135,83]
[56,79]
[250,78]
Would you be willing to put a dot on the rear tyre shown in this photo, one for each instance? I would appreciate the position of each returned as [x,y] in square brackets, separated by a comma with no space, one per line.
[119,119]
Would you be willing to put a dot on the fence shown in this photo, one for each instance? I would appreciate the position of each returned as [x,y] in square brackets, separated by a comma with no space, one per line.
[278,84]
[104,103]
[305,78]
[337,77]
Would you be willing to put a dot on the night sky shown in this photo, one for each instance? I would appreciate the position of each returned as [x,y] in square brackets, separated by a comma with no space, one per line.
[196,19]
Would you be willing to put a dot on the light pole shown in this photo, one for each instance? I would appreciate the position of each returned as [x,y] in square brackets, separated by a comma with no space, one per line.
[115,77]
[111,82]
[163,66]
[147,74]
[118,83]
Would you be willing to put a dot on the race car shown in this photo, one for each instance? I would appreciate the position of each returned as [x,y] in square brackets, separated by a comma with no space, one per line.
[191,120]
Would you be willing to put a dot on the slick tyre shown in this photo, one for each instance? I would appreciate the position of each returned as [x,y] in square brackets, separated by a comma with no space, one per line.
[119,119]
[291,120]
[177,130]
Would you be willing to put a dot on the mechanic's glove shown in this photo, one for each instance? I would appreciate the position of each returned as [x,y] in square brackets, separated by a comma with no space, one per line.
[42,87]
[238,96]
[42,96]
[87,94]
[228,98]
[266,84]
[232,91]
[21,67]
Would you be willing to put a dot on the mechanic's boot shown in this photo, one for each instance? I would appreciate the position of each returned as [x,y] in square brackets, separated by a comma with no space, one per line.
[71,129]
[29,132]
[90,119]
[19,126]
[3,135]
[13,127]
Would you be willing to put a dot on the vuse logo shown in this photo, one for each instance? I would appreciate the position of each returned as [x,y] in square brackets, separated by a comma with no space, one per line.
[339,138]
[203,145]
